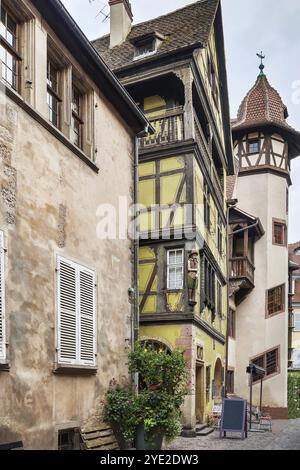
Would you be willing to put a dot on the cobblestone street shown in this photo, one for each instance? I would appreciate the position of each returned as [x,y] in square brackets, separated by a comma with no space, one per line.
[285,436]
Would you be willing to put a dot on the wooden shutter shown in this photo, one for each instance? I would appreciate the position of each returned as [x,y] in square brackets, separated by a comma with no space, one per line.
[67,313]
[87,317]
[2,301]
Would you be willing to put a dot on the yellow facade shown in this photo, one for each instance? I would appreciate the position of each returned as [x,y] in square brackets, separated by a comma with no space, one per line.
[206,58]
[172,189]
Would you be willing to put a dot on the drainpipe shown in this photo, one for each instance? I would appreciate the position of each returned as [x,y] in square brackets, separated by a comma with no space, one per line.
[136,309]
[136,313]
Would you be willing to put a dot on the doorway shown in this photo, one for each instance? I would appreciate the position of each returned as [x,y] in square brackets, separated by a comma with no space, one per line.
[200,395]
[218,381]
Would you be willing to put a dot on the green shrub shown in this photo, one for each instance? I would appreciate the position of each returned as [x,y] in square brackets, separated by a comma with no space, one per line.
[157,405]
[122,410]
[294,394]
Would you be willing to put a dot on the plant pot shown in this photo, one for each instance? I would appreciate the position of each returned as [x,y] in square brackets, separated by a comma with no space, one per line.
[148,441]
[140,438]
[154,441]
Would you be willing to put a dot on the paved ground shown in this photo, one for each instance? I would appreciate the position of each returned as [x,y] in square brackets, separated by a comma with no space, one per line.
[285,436]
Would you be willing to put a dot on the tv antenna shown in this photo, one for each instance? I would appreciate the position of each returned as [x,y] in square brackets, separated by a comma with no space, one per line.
[103,12]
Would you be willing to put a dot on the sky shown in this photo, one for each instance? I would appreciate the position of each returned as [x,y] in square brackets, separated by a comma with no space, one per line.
[250,27]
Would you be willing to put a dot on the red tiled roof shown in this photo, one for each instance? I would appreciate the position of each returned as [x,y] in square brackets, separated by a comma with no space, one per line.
[293,256]
[262,104]
[187,26]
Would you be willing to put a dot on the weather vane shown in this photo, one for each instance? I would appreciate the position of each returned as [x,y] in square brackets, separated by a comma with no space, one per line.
[261,67]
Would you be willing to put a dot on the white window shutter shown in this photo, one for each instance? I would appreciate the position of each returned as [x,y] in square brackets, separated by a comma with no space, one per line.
[67,313]
[87,316]
[2,301]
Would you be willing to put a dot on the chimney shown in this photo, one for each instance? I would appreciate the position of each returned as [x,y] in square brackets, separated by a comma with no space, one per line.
[120,21]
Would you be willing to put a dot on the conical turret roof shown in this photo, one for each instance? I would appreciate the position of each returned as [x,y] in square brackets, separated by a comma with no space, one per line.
[263,106]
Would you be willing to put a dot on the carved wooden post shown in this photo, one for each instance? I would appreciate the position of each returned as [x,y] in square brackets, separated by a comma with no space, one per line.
[186,77]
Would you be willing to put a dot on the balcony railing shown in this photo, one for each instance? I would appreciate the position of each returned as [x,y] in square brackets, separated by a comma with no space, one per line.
[242,268]
[206,154]
[169,128]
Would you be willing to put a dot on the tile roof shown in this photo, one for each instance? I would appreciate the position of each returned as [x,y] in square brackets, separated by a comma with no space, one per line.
[185,27]
[262,103]
[293,256]
[263,106]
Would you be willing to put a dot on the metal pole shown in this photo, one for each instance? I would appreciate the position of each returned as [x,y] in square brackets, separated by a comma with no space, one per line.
[261,391]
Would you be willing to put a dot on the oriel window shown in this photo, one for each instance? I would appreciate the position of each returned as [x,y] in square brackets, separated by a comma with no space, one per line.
[53,98]
[76,119]
[9,49]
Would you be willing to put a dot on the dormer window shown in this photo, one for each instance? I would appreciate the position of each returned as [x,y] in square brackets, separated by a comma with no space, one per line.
[147,45]
[146,48]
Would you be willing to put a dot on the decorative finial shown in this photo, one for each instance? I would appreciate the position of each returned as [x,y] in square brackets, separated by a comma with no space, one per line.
[261,67]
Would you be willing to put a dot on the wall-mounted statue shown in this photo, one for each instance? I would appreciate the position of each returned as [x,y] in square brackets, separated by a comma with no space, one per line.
[193,275]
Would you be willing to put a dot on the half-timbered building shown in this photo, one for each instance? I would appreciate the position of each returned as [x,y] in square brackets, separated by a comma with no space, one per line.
[174,68]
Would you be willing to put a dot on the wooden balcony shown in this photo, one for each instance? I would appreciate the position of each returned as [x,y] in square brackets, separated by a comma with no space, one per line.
[242,268]
[169,128]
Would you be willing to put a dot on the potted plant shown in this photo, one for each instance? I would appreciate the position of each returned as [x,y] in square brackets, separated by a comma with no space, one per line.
[154,413]
[163,380]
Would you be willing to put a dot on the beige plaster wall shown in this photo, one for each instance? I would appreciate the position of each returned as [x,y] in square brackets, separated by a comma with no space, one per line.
[264,196]
[48,206]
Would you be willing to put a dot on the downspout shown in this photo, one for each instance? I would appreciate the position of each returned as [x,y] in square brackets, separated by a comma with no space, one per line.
[136,308]
[136,312]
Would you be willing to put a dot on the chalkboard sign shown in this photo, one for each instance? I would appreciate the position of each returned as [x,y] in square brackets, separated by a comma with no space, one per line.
[234,417]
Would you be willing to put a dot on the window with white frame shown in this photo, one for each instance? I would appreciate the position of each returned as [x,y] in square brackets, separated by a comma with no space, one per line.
[2,300]
[53,97]
[76,302]
[9,56]
[175,269]
[296,359]
[297,321]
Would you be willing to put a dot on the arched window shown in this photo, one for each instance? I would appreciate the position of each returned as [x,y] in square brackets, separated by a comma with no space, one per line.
[155,345]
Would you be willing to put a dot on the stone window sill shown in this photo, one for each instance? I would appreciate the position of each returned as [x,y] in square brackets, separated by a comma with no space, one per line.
[64,369]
